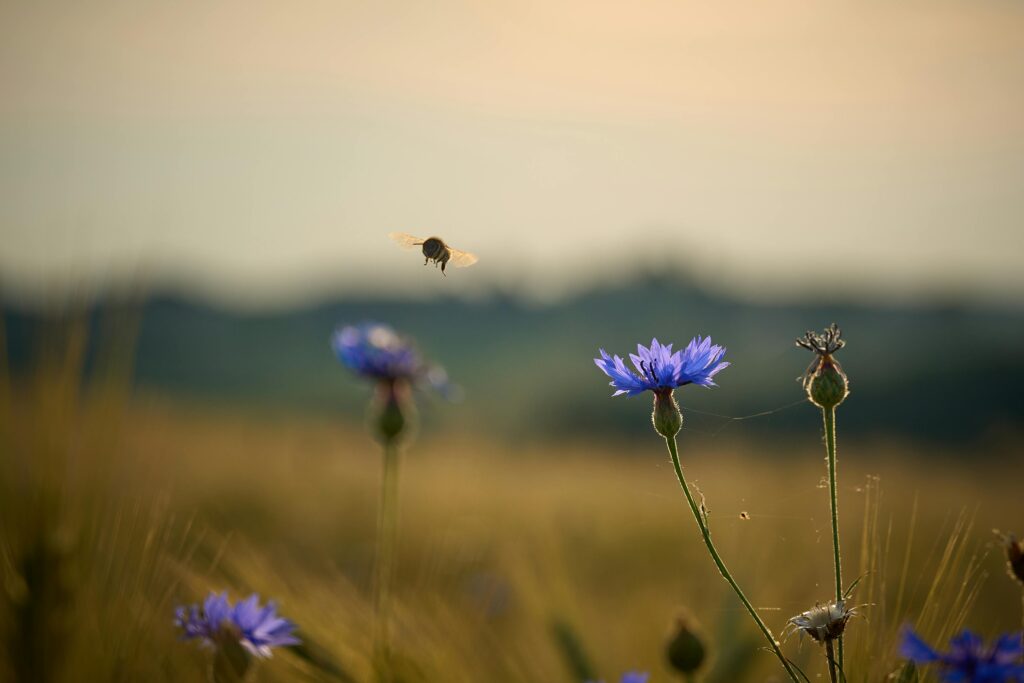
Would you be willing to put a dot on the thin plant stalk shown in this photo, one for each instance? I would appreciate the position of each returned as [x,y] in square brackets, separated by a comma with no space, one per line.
[706,534]
[830,655]
[829,417]
[387,542]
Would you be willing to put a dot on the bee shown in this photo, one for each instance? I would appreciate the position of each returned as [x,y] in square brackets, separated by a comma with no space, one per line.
[434,249]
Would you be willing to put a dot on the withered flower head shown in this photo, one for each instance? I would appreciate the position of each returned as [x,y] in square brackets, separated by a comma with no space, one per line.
[824,344]
[825,382]
[823,622]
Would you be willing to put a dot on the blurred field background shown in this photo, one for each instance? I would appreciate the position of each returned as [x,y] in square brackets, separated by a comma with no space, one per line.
[123,497]
[193,196]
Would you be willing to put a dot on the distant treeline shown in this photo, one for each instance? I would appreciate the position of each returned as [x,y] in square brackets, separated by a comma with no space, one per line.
[949,373]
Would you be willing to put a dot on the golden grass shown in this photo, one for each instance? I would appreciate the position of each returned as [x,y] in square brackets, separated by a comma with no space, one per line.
[139,504]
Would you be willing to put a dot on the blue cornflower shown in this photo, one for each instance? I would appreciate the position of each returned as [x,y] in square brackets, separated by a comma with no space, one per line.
[375,351]
[378,353]
[660,370]
[968,660]
[630,677]
[257,629]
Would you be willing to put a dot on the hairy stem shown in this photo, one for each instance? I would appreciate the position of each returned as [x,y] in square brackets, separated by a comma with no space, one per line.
[387,542]
[830,655]
[829,416]
[706,534]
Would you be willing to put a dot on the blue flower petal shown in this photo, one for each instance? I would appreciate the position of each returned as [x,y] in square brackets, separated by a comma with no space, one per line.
[659,368]
[968,660]
[1008,649]
[258,629]
[634,677]
[378,353]
[915,649]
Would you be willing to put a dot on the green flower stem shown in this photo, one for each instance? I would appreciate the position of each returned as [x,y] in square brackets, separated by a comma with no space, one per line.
[387,542]
[829,416]
[830,655]
[706,534]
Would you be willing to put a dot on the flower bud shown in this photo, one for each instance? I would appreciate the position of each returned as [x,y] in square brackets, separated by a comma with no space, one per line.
[391,415]
[666,417]
[827,385]
[684,649]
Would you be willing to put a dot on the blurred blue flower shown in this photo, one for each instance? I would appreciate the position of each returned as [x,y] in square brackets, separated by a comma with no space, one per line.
[630,677]
[658,369]
[375,351]
[257,629]
[634,677]
[968,660]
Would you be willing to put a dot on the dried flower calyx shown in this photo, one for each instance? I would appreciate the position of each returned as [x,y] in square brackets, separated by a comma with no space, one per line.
[823,623]
[825,382]
[824,344]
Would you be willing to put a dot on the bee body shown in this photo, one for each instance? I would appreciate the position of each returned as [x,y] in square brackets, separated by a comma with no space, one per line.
[434,249]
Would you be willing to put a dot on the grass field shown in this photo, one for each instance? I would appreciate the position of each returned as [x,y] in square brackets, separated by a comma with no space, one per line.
[543,563]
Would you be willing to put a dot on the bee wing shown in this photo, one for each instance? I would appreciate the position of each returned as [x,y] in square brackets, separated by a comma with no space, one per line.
[461,258]
[405,240]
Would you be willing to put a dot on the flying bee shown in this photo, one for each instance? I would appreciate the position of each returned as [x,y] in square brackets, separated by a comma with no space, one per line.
[434,249]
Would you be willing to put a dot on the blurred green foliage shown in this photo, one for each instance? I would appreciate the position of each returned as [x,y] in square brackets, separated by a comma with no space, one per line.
[939,373]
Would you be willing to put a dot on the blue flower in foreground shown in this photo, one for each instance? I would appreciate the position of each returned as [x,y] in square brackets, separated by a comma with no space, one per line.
[257,629]
[660,370]
[968,660]
[632,677]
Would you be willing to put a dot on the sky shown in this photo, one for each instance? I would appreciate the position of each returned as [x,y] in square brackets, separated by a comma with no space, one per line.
[259,152]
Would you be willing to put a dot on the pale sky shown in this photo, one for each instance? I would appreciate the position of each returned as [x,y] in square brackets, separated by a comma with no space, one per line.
[260,151]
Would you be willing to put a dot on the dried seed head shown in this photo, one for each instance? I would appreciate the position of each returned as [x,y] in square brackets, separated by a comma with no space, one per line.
[823,622]
[825,382]
[824,344]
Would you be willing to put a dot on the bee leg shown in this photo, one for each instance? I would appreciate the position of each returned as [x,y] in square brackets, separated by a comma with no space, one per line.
[443,264]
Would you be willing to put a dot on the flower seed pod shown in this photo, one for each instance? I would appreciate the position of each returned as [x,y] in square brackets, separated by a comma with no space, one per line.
[825,382]
[392,411]
[684,649]
[827,386]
